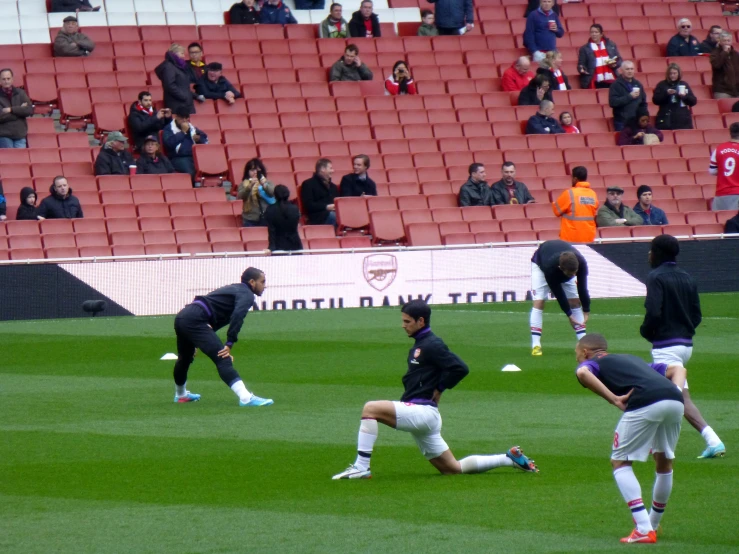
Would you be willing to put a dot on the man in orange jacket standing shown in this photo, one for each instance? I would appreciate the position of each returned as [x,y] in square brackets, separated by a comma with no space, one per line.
[577,208]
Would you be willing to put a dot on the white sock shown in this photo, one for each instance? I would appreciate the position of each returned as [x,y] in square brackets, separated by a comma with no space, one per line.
[631,491]
[710,436]
[241,391]
[365,443]
[577,313]
[480,464]
[660,496]
[535,322]
[180,390]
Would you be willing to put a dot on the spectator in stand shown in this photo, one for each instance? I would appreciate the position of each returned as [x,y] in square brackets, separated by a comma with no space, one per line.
[282,222]
[516,77]
[257,193]
[427,28]
[535,92]
[349,67]
[214,86]
[476,191]
[358,183]
[15,107]
[175,76]
[400,81]
[533,5]
[152,161]
[62,6]
[195,64]
[674,98]
[62,204]
[454,17]
[651,215]
[334,26]
[639,131]
[318,194]
[598,61]
[576,209]
[626,96]
[114,158]
[69,42]
[711,42]
[276,13]
[727,180]
[543,28]
[568,123]
[551,68]
[144,121]
[683,43]
[508,190]
[725,65]
[364,23]
[731,227]
[542,122]
[27,209]
[614,213]
[244,13]
[179,138]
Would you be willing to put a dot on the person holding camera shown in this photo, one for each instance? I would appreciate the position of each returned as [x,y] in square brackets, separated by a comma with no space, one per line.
[144,120]
[400,81]
[256,192]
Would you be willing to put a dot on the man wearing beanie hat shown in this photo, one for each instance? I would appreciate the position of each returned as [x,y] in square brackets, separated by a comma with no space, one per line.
[214,86]
[614,213]
[650,214]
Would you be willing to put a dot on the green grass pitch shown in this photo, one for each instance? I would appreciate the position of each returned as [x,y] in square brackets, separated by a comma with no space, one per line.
[96,458]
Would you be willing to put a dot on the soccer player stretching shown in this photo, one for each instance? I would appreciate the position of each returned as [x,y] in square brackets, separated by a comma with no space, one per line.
[673,312]
[558,267]
[196,327]
[432,369]
[653,412]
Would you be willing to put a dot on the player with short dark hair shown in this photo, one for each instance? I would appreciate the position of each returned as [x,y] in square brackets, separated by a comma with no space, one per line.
[196,327]
[558,267]
[432,369]
[673,311]
[653,412]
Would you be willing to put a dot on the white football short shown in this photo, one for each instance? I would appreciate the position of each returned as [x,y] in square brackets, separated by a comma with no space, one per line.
[654,428]
[541,289]
[672,355]
[424,424]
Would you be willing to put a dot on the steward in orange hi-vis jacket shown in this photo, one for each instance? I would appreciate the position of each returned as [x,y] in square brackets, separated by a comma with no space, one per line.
[576,208]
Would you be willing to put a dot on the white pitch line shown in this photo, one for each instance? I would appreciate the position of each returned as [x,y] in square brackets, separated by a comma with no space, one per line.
[596,314]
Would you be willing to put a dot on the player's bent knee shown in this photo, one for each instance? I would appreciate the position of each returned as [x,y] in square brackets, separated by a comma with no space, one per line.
[615,464]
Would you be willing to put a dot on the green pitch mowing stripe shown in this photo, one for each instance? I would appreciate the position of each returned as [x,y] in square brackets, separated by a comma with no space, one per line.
[96,458]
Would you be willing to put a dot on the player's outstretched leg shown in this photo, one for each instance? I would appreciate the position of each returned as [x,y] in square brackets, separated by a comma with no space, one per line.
[714,446]
[514,457]
[185,356]
[631,492]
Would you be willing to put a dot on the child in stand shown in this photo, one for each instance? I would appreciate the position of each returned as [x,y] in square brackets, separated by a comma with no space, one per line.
[567,123]
[427,28]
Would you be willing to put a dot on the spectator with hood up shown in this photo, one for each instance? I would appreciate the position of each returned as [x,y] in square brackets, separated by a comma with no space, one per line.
[27,209]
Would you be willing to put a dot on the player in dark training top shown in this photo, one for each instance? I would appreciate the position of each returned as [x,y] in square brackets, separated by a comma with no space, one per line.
[196,327]
[558,267]
[653,412]
[673,311]
[432,369]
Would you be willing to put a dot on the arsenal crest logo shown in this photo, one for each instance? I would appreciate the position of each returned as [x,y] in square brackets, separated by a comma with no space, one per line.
[380,270]
[417,353]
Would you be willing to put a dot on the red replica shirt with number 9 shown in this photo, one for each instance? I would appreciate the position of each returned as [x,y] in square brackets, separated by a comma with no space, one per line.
[725,165]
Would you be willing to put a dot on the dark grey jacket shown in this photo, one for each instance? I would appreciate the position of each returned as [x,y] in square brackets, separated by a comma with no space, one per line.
[56,207]
[619,98]
[586,60]
[475,194]
[110,162]
[176,83]
[13,125]
[500,193]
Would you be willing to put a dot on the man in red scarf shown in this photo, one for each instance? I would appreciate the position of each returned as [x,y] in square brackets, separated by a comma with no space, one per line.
[144,120]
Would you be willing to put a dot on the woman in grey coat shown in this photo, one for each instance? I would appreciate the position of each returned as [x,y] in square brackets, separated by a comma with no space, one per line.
[598,61]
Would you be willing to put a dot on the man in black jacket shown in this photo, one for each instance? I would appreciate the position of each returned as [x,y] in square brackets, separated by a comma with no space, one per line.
[364,23]
[176,79]
[358,183]
[143,120]
[214,86]
[673,311]
[626,96]
[152,161]
[318,193]
[61,204]
[114,158]
[508,190]
[432,369]
[711,42]
[60,6]
[244,13]
[476,191]
[196,327]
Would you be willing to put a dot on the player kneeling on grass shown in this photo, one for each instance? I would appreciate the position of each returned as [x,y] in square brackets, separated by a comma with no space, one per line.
[653,411]
[432,369]
[558,267]
[196,327]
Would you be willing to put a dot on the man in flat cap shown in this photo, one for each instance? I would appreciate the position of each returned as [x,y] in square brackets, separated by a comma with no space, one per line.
[69,42]
[114,158]
[614,213]
[214,86]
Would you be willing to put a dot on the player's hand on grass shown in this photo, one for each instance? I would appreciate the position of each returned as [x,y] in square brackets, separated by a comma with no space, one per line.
[225,352]
[620,401]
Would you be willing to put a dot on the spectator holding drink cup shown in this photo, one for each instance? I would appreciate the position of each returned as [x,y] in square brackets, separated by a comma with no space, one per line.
[674,98]
[543,28]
